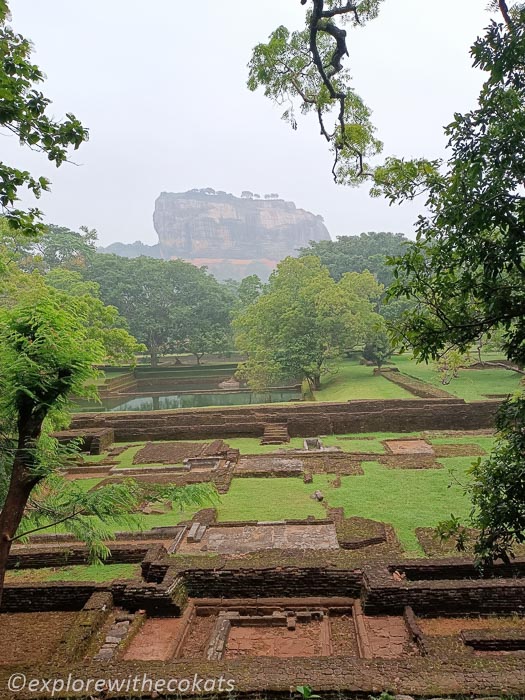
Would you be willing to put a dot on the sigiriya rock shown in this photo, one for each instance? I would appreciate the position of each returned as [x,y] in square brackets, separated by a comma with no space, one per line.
[233,236]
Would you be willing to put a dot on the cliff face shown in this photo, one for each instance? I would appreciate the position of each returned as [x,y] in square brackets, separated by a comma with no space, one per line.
[234,237]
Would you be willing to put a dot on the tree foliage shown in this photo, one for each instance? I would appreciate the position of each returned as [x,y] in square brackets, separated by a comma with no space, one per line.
[466,269]
[24,113]
[303,319]
[303,71]
[46,356]
[103,323]
[378,348]
[60,247]
[498,487]
[22,273]
[49,350]
[169,304]
[449,364]
[368,251]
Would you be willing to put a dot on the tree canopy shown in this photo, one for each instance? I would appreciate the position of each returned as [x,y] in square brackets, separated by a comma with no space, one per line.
[46,356]
[169,304]
[303,71]
[303,319]
[367,251]
[466,269]
[24,112]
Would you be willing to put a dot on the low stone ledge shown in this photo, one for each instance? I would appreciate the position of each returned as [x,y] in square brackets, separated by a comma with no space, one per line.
[40,556]
[73,645]
[388,589]
[494,640]
[94,440]
[48,597]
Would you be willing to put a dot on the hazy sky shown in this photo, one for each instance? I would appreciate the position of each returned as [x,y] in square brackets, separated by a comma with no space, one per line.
[161,86]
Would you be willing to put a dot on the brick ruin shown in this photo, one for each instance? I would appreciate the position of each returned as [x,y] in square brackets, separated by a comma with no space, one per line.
[330,602]
[415,627]
[309,419]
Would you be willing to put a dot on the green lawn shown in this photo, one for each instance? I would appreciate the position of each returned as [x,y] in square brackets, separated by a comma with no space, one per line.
[87,484]
[94,572]
[405,498]
[353,444]
[269,499]
[471,384]
[124,460]
[94,459]
[484,441]
[349,442]
[355,381]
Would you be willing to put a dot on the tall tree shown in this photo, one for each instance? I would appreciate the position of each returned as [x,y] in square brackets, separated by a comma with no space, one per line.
[467,268]
[24,112]
[103,322]
[167,303]
[466,271]
[302,320]
[246,292]
[49,342]
[46,355]
[58,246]
[368,251]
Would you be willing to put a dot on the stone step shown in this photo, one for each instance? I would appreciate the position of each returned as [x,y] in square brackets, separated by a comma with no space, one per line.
[275,434]
[193,531]
[200,533]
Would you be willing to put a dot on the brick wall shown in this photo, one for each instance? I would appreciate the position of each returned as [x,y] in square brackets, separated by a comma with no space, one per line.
[305,420]
[433,595]
[32,557]
[167,598]
[45,597]
[74,644]
[268,583]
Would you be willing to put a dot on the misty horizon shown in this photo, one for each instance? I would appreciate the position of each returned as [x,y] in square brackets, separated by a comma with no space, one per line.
[169,110]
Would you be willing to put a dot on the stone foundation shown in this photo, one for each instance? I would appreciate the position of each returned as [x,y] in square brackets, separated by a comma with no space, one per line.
[309,419]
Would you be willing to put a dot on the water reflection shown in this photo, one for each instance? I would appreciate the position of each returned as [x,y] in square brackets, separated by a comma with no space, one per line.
[145,402]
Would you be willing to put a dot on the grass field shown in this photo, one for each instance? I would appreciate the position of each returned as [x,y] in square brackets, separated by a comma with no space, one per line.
[394,496]
[87,484]
[269,499]
[471,384]
[485,442]
[351,442]
[354,381]
[93,572]
[249,446]
[405,498]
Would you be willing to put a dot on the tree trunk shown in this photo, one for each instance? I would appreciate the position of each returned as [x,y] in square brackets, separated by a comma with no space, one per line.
[20,488]
[22,480]
[154,356]
[317,381]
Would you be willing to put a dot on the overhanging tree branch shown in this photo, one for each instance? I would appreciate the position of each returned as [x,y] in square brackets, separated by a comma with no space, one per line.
[505,12]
